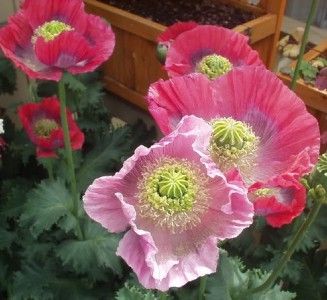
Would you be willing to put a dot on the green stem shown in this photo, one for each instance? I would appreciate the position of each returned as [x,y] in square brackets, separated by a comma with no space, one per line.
[69,154]
[202,287]
[163,296]
[308,24]
[291,248]
[32,86]
[49,167]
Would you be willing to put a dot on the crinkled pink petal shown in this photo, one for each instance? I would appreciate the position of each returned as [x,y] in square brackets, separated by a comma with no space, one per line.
[67,50]
[188,268]
[172,99]
[191,46]
[286,203]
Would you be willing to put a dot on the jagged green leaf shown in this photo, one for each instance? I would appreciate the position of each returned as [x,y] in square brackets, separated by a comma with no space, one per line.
[103,157]
[40,282]
[232,281]
[96,250]
[73,83]
[132,292]
[49,202]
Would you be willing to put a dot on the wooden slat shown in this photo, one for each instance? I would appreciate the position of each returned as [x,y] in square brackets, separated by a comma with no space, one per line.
[258,28]
[125,92]
[310,96]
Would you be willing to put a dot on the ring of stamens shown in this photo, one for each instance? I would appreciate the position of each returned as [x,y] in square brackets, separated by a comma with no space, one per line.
[233,143]
[214,66]
[173,194]
[50,30]
[44,127]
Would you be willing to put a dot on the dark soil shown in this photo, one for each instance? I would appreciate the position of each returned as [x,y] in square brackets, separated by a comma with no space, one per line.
[167,12]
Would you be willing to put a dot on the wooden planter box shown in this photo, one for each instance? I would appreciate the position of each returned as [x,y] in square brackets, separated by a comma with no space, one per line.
[315,100]
[134,66]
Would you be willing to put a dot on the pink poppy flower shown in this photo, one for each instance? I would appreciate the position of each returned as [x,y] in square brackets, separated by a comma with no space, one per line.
[259,125]
[173,31]
[42,123]
[280,200]
[47,37]
[211,50]
[176,204]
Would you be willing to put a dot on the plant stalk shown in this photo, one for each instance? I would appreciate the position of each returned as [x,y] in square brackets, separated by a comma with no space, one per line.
[202,287]
[48,165]
[69,155]
[308,24]
[290,250]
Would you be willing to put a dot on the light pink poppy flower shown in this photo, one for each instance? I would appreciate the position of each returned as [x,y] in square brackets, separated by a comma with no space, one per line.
[176,206]
[259,125]
[46,37]
[280,200]
[211,50]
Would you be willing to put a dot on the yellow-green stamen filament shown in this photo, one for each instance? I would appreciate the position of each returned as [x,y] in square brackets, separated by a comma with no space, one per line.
[50,30]
[44,127]
[214,66]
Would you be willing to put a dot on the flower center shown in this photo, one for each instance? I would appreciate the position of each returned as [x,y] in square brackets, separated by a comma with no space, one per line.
[50,30]
[44,127]
[233,143]
[264,192]
[214,66]
[168,193]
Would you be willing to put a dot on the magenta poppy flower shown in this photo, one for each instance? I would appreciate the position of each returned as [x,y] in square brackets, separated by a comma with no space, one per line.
[42,123]
[280,200]
[211,50]
[176,206]
[173,31]
[47,37]
[258,124]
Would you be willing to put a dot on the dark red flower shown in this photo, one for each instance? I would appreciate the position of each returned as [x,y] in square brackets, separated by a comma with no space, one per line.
[43,126]
[280,200]
[46,37]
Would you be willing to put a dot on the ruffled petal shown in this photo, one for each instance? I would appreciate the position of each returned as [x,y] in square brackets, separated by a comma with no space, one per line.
[41,11]
[172,99]
[173,273]
[67,50]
